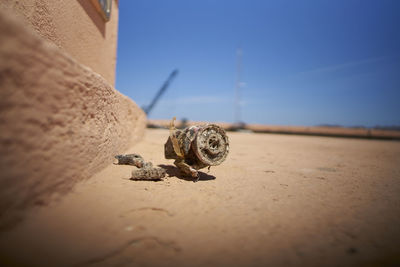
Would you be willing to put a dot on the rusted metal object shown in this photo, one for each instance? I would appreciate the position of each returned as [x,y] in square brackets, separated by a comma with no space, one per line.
[196,147]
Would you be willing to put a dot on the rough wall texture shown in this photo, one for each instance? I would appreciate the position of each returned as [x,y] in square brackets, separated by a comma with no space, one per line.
[76,27]
[59,121]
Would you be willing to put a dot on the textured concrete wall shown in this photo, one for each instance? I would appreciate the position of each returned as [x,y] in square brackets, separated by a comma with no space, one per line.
[60,122]
[76,27]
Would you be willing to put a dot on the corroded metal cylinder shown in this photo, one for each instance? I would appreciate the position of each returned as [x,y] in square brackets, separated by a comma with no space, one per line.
[197,147]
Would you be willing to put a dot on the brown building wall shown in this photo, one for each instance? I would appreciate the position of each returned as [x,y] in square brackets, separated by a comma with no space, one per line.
[60,121]
[76,27]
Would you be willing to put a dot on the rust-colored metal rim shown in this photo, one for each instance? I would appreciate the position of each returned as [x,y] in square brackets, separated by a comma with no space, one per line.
[211,145]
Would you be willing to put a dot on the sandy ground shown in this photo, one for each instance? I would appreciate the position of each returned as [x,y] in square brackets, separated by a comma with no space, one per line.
[278,200]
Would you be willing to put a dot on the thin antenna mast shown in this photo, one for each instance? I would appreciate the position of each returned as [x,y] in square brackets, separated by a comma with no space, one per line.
[237,87]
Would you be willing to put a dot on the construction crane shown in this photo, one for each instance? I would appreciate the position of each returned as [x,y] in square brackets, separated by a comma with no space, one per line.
[147,109]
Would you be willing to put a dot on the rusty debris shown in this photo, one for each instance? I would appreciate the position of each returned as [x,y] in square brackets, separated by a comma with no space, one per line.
[193,148]
[145,170]
[196,147]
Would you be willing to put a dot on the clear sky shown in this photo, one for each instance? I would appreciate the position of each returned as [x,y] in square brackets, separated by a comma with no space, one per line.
[305,62]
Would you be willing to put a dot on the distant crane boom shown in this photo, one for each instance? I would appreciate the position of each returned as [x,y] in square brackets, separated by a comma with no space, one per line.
[163,88]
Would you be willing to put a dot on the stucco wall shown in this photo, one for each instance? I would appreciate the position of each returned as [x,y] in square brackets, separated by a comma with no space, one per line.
[76,27]
[60,122]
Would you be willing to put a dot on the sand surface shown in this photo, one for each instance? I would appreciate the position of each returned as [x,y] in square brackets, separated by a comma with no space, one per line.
[278,200]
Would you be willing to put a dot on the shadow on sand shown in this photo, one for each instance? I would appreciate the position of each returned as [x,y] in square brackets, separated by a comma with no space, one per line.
[173,171]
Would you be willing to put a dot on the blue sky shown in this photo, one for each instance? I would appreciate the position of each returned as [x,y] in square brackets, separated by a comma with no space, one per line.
[305,62]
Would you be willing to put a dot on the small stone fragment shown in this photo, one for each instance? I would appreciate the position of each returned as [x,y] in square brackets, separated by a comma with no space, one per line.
[130,159]
[148,173]
[145,170]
